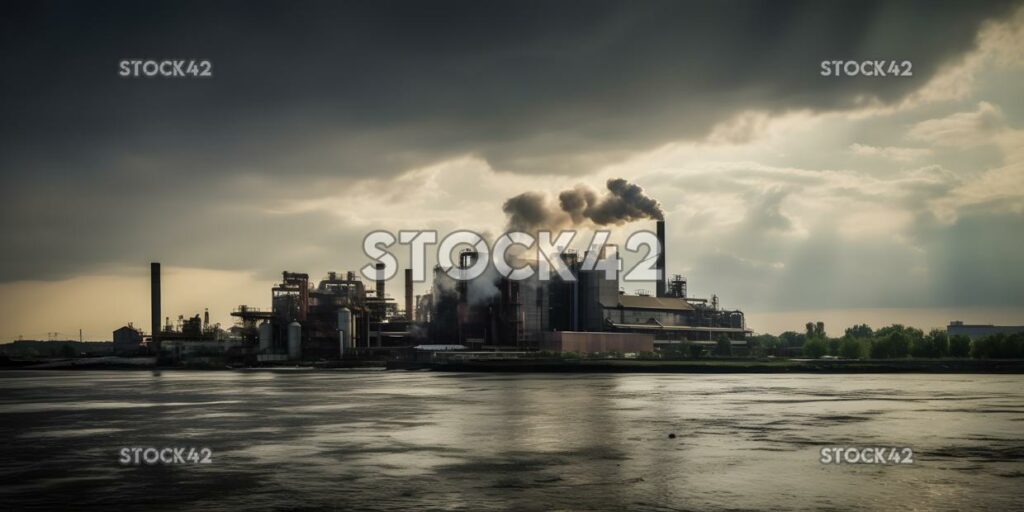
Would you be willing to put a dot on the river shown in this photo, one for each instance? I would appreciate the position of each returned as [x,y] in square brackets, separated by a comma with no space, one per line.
[376,440]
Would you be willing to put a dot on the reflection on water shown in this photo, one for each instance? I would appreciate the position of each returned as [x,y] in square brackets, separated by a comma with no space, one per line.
[387,440]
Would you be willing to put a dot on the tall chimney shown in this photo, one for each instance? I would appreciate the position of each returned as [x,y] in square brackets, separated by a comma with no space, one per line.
[380,280]
[154,303]
[660,289]
[410,315]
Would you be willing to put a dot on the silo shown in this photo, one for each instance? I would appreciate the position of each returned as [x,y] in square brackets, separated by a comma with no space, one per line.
[344,330]
[266,337]
[294,341]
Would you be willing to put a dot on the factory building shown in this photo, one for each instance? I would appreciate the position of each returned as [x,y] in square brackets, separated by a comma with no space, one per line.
[497,313]
[341,317]
[486,311]
[127,341]
[194,336]
[336,319]
[188,336]
[978,331]
[589,342]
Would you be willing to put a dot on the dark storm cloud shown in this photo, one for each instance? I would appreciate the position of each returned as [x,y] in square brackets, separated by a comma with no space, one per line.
[388,85]
[310,91]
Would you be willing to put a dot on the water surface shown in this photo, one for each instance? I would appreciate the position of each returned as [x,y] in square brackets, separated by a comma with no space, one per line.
[379,440]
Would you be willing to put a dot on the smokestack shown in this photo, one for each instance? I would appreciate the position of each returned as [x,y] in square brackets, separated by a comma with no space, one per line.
[409,313]
[380,280]
[154,303]
[660,289]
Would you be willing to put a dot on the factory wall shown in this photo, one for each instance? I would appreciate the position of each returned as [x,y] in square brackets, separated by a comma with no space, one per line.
[591,342]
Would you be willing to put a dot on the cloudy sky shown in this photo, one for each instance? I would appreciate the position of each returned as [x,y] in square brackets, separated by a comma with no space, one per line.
[791,195]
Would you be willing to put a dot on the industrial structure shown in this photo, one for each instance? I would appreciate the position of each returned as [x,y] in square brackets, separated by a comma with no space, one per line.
[518,315]
[978,331]
[336,319]
[187,337]
[341,318]
[127,340]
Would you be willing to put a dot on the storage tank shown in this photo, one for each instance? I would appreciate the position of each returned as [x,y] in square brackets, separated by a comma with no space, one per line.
[344,330]
[266,337]
[294,341]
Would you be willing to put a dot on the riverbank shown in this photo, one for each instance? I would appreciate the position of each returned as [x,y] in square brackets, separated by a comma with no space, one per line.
[149,363]
[784,366]
[1007,366]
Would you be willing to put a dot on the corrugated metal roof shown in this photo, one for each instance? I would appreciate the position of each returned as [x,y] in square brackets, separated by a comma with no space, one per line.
[646,302]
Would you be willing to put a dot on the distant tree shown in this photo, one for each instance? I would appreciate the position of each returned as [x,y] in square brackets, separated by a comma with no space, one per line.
[833,345]
[913,334]
[889,329]
[819,330]
[900,344]
[921,348]
[815,348]
[1015,346]
[850,348]
[959,346]
[893,344]
[723,347]
[940,342]
[859,331]
[765,341]
[792,339]
[987,347]
[910,333]
[809,330]
[935,344]
[67,351]
[878,349]
[999,346]
[754,347]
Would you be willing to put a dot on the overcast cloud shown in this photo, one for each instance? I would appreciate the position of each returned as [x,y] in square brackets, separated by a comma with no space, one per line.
[782,189]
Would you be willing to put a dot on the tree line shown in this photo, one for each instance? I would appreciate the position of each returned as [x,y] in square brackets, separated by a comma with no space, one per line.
[891,342]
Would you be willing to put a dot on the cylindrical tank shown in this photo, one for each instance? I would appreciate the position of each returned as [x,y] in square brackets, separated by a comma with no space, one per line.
[294,341]
[344,330]
[266,337]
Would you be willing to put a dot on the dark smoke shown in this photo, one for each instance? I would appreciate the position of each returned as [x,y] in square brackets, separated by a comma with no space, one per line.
[576,202]
[624,202]
[627,203]
[529,212]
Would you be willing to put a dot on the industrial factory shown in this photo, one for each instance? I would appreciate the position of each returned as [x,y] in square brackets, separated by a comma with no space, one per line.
[342,318]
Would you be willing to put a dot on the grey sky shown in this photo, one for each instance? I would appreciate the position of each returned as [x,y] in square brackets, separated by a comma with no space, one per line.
[324,120]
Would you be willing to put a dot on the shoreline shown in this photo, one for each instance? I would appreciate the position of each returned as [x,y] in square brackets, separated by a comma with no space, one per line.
[951,366]
[712,366]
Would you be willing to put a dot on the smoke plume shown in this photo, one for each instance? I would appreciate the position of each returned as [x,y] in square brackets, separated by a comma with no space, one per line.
[623,202]
[530,211]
